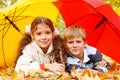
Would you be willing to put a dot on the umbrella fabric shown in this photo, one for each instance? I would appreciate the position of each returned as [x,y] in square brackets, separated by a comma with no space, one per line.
[99,20]
[13,22]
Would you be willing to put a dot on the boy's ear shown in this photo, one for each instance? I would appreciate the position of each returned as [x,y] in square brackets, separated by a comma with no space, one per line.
[86,44]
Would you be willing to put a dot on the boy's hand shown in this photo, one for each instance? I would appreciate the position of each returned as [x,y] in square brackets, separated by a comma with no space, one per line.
[102,63]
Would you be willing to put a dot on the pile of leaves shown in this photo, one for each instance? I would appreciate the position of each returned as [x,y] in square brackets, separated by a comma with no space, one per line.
[85,74]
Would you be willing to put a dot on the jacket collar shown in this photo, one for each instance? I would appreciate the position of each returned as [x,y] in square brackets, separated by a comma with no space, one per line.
[40,50]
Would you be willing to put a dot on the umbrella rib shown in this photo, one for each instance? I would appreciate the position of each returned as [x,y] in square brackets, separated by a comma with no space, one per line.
[111,23]
[3,28]
[98,25]
[14,25]
[3,25]
[101,22]
[2,21]
[15,19]
[14,14]
[22,11]
[12,21]
[22,17]
[3,35]
[3,53]
[82,18]
[98,39]
[5,32]
[116,31]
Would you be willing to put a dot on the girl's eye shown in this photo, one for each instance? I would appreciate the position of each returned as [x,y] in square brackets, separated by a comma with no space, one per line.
[48,32]
[39,33]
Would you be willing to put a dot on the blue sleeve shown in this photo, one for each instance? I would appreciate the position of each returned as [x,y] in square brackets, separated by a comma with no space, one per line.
[95,58]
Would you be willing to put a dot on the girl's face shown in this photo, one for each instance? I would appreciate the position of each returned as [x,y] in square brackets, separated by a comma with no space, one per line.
[76,46]
[43,36]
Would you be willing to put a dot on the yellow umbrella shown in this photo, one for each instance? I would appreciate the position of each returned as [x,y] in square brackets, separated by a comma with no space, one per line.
[8,8]
[13,21]
[118,11]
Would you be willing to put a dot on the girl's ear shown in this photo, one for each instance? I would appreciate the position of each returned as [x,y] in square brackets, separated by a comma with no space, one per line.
[53,34]
[32,37]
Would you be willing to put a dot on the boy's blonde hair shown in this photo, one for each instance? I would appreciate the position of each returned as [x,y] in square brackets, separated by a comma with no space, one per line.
[74,31]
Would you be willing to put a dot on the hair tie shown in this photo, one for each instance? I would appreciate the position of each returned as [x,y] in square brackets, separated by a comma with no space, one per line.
[27,29]
[56,31]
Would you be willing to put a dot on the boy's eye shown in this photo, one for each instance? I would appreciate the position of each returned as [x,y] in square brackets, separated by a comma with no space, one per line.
[78,41]
[70,42]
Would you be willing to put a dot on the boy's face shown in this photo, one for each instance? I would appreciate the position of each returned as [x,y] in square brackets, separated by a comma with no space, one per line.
[76,46]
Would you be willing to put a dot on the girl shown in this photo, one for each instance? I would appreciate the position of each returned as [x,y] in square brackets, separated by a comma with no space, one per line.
[41,49]
[81,55]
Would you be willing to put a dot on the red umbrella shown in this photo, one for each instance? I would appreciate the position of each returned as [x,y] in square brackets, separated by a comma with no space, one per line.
[99,20]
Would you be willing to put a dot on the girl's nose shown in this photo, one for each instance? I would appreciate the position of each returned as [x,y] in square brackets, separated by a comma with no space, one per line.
[43,36]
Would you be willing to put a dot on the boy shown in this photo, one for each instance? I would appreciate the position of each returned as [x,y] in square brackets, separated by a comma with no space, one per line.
[80,54]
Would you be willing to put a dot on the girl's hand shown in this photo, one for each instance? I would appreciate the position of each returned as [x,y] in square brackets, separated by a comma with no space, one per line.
[55,67]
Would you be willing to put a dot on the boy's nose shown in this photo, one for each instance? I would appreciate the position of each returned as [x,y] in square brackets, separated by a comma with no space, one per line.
[74,44]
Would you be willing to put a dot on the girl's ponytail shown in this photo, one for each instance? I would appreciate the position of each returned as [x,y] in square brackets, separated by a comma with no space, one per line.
[23,42]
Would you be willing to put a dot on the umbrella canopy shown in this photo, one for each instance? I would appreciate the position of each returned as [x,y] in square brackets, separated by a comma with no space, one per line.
[12,25]
[99,20]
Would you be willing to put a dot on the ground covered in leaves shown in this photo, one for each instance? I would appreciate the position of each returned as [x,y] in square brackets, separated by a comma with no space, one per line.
[86,74]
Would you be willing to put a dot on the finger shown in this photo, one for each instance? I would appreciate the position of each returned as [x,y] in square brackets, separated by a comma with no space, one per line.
[62,68]
[59,70]
[101,62]
[62,65]
[104,62]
